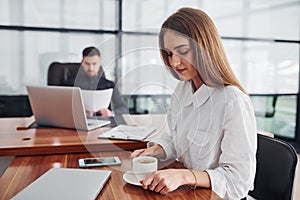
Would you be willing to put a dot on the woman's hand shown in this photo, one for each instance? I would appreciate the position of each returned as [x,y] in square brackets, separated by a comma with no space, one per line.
[156,151]
[168,180]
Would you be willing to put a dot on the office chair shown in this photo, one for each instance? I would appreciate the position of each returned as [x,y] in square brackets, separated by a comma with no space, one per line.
[58,72]
[275,170]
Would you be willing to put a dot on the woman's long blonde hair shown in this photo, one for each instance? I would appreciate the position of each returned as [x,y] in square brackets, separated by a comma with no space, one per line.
[210,58]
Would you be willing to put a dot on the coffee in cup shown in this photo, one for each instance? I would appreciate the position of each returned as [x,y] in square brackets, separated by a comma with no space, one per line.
[142,166]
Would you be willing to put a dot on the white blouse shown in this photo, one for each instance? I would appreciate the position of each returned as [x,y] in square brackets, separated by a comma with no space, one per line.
[213,129]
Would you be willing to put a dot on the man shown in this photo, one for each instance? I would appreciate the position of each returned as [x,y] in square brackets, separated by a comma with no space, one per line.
[91,77]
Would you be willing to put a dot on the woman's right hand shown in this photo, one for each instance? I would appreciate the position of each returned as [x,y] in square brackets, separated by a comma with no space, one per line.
[156,151]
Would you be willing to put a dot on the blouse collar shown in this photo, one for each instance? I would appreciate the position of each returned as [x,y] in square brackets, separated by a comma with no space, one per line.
[199,97]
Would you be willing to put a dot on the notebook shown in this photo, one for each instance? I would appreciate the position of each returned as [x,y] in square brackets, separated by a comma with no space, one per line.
[61,107]
[128,132]
[66,183]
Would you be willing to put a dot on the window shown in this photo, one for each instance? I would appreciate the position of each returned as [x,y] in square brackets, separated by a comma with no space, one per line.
[261,38]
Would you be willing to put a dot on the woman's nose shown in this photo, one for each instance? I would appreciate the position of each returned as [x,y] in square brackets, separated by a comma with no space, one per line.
[175,60]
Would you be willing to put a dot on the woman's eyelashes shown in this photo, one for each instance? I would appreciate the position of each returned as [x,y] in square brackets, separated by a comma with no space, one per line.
[179,51]
[183,51]
[169,53]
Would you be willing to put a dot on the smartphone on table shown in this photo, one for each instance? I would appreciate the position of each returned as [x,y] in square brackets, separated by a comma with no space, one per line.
[102,161]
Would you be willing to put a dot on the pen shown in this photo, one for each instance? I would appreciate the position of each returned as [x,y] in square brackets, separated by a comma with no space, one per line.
[25,127]
[127,137]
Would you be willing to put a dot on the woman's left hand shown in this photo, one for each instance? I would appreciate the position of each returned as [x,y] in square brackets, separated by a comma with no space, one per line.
[164,181]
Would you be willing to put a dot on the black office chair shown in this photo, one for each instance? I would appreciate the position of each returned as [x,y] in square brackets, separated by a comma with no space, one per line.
[275,171]
[58,72]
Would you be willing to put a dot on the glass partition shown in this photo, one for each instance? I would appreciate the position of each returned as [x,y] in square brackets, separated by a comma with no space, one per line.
[261,39]
[30,53]
[91,14]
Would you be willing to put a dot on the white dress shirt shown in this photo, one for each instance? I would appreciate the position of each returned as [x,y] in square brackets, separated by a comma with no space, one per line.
[213,130]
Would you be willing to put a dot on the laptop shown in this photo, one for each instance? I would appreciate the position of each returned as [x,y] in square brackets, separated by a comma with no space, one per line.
[66,183]
[59,106]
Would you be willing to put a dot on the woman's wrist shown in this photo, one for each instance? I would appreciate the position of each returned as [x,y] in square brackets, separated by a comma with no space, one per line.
[194,175]
[158,151]
[189,178]
[196,178]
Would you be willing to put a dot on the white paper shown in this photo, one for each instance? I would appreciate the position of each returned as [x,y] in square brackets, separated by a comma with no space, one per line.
[95,100]
[127,132]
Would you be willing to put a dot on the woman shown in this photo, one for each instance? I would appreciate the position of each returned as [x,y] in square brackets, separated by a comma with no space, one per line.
[211,118]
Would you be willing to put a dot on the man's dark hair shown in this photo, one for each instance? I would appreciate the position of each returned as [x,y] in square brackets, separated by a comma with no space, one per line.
[90,51]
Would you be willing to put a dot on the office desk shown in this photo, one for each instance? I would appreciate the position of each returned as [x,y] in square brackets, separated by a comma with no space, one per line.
[39,141]
[25,169]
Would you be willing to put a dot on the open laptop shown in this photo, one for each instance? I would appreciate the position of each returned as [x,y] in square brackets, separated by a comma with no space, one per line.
[66,183]
[61,107]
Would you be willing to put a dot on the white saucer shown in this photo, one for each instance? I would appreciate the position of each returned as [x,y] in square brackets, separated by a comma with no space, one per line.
[131,179]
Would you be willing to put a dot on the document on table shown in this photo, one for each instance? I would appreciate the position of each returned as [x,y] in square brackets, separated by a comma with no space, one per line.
[127,132]
[95,100]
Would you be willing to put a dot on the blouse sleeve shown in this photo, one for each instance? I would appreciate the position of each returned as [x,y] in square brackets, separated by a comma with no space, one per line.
[237,164]
[166,143]
[166,140]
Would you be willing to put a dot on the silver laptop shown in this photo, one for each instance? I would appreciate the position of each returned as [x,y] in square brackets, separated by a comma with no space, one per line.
[61,107]
[66,183]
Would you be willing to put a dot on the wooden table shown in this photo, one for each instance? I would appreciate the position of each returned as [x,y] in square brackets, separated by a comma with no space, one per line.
[43,141]
[37,141]
[25,169]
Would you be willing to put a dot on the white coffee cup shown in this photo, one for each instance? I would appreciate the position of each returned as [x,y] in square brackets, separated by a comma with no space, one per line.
[142,166]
